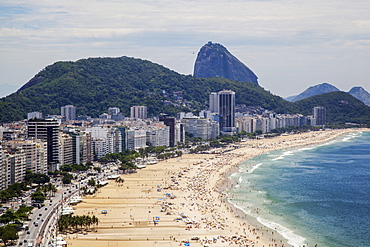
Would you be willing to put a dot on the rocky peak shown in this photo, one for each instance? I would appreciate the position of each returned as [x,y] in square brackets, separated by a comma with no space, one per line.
[361,94]
[214,60]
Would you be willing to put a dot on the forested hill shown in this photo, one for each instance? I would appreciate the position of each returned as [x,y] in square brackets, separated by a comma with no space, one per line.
[341,107]
[95,84]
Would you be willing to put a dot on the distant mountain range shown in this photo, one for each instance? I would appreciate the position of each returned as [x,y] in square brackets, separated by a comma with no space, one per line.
[357,92]
[95,84]
[214,60]
[312,91]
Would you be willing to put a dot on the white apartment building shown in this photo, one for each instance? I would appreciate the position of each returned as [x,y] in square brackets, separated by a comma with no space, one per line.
[158,135]
[2,170]
[35,154]
[139,112]
[15,167]
[65,149]
[69,112]
[201,127]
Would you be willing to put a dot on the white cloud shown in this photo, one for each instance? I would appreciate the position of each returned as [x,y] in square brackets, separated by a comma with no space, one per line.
[285,42]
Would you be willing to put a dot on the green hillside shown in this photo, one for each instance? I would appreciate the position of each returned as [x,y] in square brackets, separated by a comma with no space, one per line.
[95,84]
[341,107]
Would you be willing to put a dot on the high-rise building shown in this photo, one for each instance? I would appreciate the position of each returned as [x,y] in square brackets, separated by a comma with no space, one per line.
[34,114]
[15,166]
[226,110]
[65,149]
[319,116]
[69,112]
[171,122]
[139,112]
[2,170]
[82,150]
[113,111]
[46,130]
[213,102]
[34,152]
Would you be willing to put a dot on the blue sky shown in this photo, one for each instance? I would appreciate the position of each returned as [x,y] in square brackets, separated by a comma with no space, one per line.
[290,45]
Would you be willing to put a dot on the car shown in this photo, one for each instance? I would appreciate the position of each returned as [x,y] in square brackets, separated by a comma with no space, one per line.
[25,240]
[28,232]
[40,214]
[46,208]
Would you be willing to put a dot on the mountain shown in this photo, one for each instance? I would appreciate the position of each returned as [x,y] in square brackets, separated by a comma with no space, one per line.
[361,94]
[95,84]
[290,98]
[341,107]
[315,90]
[214,60]
[6,89]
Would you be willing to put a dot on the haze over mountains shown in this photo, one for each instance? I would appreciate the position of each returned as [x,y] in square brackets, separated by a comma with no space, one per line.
[357,92]
[95,84]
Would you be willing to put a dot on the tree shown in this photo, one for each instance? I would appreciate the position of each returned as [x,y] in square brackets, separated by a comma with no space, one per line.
[67,179]
[9,232]
[91,182]
[38,196]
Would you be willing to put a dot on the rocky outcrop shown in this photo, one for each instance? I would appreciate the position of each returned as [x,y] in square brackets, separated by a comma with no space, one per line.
[361,94]
[214,60]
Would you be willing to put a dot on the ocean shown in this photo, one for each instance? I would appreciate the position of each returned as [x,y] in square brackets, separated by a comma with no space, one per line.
[314,195]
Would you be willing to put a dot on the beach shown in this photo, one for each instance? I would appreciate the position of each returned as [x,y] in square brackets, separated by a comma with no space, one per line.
[183,200]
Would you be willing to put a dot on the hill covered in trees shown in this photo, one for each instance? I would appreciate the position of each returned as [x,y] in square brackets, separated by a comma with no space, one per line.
[95,84]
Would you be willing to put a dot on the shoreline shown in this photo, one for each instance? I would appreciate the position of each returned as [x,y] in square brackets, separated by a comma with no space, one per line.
[199,183]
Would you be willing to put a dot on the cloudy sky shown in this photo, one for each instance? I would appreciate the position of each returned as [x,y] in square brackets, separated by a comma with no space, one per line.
[290,45]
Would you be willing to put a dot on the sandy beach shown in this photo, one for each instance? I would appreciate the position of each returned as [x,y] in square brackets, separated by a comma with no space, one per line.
[180,200]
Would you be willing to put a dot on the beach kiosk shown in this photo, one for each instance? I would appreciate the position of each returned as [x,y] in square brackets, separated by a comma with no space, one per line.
[104,211]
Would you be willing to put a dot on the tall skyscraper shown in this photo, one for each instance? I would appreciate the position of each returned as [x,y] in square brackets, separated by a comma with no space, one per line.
[139,112]
[213,102]
[46,130]
[69,112]
[171,122]
[319,115]
[226,110]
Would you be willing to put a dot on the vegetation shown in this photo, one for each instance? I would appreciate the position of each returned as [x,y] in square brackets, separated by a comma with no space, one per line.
[11,221]
[38,196]
[75,167]
[36,178]
[14,190]
[75,223]
[8,233]
[95,84]
[341,108]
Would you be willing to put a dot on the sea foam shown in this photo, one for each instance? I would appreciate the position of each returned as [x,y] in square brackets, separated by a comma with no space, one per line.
[287,233]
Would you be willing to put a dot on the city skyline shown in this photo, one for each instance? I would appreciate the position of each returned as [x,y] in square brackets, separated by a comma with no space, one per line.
[290,46]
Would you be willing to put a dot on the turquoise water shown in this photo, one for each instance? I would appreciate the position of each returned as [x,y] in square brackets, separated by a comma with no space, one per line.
[313,195]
